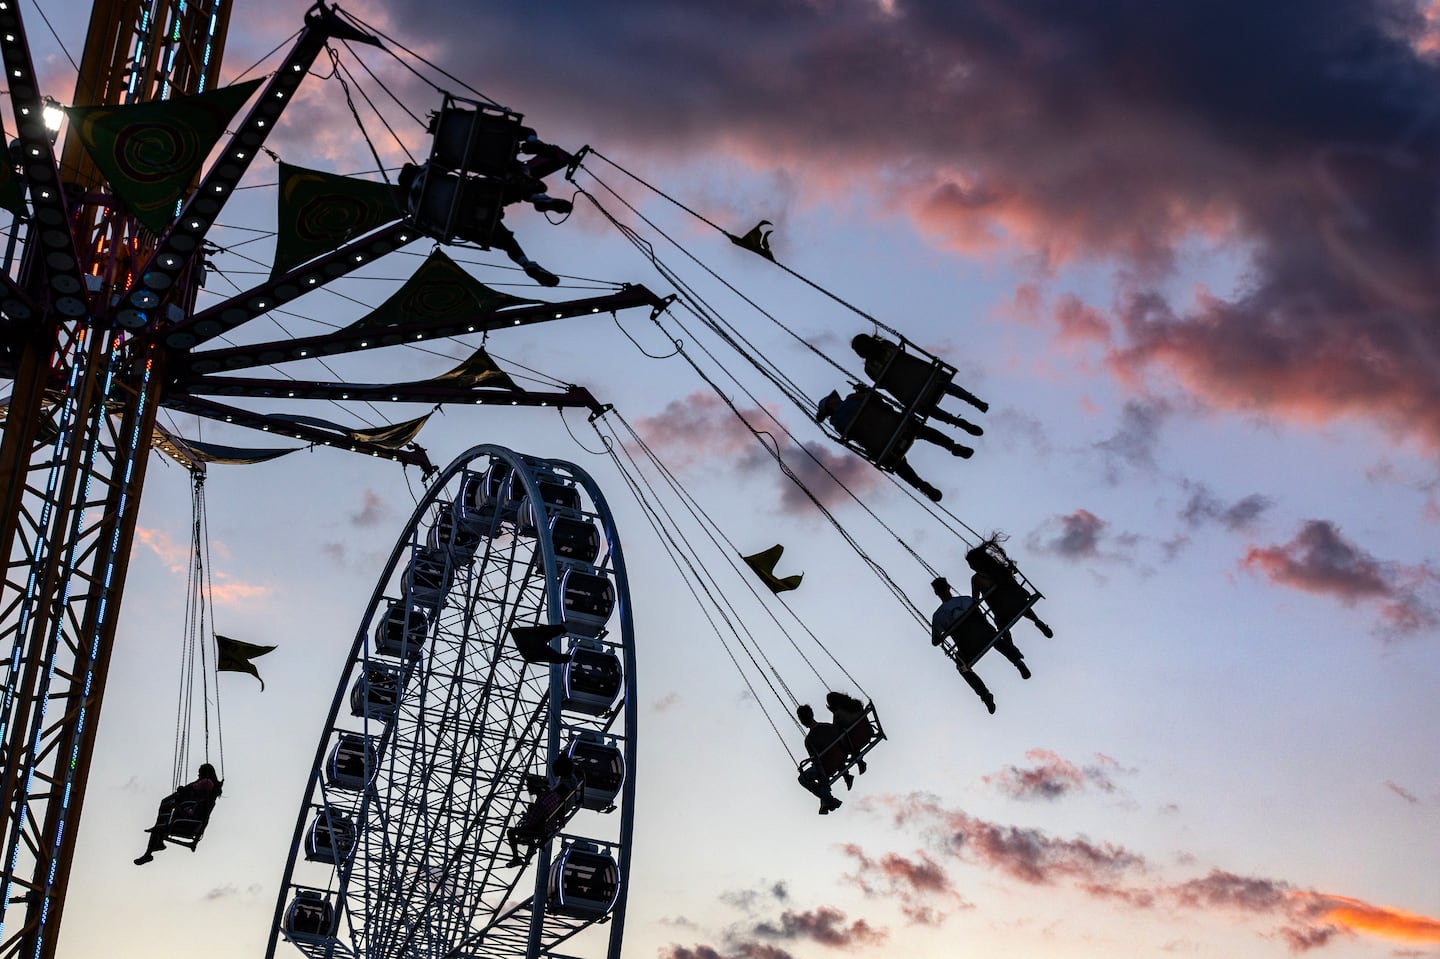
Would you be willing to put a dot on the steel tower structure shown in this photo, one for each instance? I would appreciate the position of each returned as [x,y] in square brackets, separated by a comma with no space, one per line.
[98,329]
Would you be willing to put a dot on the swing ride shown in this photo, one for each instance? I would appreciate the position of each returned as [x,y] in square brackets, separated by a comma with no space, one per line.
[487,702]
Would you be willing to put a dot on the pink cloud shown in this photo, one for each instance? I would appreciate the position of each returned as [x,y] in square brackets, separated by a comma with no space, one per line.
[1052,777]
[1302,919]
[1320,560]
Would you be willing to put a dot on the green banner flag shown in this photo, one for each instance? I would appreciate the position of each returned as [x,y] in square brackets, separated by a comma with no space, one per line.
[152,152]
[234,657]
[478,370]
[763,563]
[440,290]
[320,212]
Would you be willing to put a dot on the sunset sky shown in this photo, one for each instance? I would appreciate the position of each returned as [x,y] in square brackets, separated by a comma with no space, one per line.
[1190,254]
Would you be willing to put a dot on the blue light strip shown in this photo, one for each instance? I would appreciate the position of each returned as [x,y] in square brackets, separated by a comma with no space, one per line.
[42,541]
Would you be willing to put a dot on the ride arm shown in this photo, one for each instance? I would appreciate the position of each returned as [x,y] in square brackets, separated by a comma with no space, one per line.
[277,291]
[282,427]
[352,340]
[428,391]
[54,246]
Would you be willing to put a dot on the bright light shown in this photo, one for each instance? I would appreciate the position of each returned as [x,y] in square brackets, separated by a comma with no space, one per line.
[53,117]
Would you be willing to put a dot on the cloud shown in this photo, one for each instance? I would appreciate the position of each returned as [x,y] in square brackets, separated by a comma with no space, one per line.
[1303,919]
[918,884]
[825,925]
[1053,777]
[702,429]
[1076,536]
[665,702]
[1320,560]
[1133,444]
[1205,507]
[175,557]
[373,510]
[1402,792]
[224,590]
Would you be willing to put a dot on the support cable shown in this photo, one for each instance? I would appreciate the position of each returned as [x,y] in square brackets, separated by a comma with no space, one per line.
[652,518]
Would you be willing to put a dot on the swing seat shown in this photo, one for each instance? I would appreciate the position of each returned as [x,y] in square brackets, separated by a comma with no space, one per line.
[187,822]
[972,636]
[879,432]
[845,752]
[918,383]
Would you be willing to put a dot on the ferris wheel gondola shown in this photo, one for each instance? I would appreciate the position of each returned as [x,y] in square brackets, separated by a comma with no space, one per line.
[445,731]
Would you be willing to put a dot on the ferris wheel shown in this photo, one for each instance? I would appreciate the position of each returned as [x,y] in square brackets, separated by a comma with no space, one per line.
[472,792]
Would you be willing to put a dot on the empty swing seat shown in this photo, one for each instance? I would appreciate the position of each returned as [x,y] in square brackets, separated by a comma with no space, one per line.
[352,762]
[376,693]
[311,917]
[589,599]
[401,631]
[584,882]
[601,762]
[331,837]
[574,538]
[592,680]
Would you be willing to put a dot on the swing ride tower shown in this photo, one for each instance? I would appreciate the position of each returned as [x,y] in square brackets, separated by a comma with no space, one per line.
[98,330]
[77,433]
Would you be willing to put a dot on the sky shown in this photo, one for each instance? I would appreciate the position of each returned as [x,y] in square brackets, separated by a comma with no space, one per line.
[1188,254]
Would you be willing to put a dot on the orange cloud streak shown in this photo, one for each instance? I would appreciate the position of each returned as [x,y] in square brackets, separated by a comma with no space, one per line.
[1383,921]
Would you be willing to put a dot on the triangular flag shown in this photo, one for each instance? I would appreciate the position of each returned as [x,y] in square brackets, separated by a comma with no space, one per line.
[233,656]
[533,642]
[763,563]
[322,211]
[756,241]
[151,152]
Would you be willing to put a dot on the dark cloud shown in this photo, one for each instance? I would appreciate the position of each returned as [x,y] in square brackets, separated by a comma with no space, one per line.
[748,900]
[1076,536]
[1053,777]
[825,925]
[1205,507]
[1133,444]
[1320,560]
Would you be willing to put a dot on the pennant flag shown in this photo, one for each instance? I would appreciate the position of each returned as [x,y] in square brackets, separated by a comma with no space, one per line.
[234,657]
[322,211]
[390,437]
[12,196]
[440,290]
[763,563]
[151,152]
[478,370]
[756,241]
[533,642]
[188,452]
